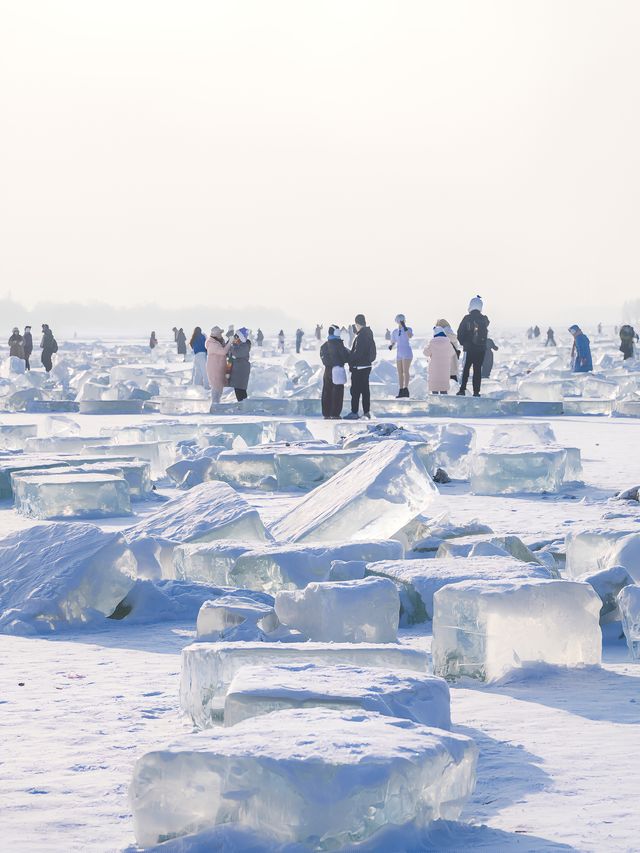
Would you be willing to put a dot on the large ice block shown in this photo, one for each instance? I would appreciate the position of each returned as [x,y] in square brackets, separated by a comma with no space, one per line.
[59,574]
[208,562]
[275,567]
[319,777]
[419,580]
[253,612]
[306,467]
[14,436]
[486,629]
[206,512]
[159,454]
[77,495]
[247,468]
[360,611]
[523,434]
[372,497]
[62,444]
[258,690]
[626,552]
[208,668]
[590,550]
[608,583]
[136,473]
[507,470]
[629,607]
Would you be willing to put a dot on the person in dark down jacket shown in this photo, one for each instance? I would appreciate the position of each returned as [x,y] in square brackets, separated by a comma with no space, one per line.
[16,344]
[333,353]
[48,345]
[487,364]
[363,354]
[473,334]
[181,342]
[27,344]
[240,364]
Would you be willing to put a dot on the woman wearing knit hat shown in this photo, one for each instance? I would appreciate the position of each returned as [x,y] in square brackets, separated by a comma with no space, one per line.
[455,343]
[439,351]
[217,351]
[401,339]
[240,364]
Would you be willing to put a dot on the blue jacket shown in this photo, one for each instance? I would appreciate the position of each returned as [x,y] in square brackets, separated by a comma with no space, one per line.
[581,357]
[199,344]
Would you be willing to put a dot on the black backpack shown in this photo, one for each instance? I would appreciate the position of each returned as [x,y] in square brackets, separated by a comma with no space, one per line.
[475,333]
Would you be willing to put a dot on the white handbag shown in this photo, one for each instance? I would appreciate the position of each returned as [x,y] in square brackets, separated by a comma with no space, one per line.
[338,375]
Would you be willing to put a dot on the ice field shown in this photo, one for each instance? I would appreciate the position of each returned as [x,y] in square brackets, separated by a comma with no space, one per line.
[253,629]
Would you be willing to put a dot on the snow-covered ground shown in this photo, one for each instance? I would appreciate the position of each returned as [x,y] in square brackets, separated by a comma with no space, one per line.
[558,748]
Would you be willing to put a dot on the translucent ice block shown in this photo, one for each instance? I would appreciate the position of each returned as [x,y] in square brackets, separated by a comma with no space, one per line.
[317,776]
[254,612]
[629,606]
[487,629]
[419,580]
[590,550]
[258,690]
[62,443]
[208,668]
[360,611]
[246,468]
[208,562]
[304,468]
[13,436]
[74,495]
[275,567]
[626,553]
[372,497]
[159,454]
[57,574]
[500,471]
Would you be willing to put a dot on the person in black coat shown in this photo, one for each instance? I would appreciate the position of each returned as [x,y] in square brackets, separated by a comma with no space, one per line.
[487,364]
[333,353]
[472,335]
[49,346]
[181,342]
[27,343]
[363,354]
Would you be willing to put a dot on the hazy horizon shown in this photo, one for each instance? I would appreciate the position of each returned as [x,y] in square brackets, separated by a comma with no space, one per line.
[322,159]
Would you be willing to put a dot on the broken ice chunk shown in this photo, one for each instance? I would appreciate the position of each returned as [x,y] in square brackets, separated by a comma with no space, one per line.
[253,611]
[257,690]
[487,629]
[77,495]
[315,776]
[507,470]
[360,611]
[629,606]
[208,562]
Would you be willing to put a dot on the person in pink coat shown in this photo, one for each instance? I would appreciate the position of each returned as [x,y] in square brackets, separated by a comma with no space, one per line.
[439,351]
[216,362]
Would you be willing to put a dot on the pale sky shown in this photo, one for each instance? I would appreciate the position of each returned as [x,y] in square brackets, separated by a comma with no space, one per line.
[326,157]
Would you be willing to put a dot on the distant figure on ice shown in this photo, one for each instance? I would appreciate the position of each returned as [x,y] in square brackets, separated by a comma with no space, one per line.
[401,339]
[473,334]
[387,335]
[455,343]
[536,332]
[299,337]
[27,343]
[181,342]
[334,355]
[551,341]
[363,354]
[581,351]
[198,344]
[487,364]
[16,344]
[318,332]
[530,333]
[281,341]
[240,364]
[439,351]
[217,351]
[599,328]
[153,341]
[628,336]
[259,337]
[49,346]
[175,334]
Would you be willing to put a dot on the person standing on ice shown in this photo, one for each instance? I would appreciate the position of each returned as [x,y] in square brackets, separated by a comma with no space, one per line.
[363,354]
[281,341]
[240,363]
[259,337]
[487,364]
[334,355]
[299,337]
[175,334]
[181,342]
[49,346]
[16,344]
[628,337]
[551,341]
[401,338]
[581,351]
[198,344]
[318,332]
[455,343]
[439,351]
[473,334]
[27,344]
[217,351]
